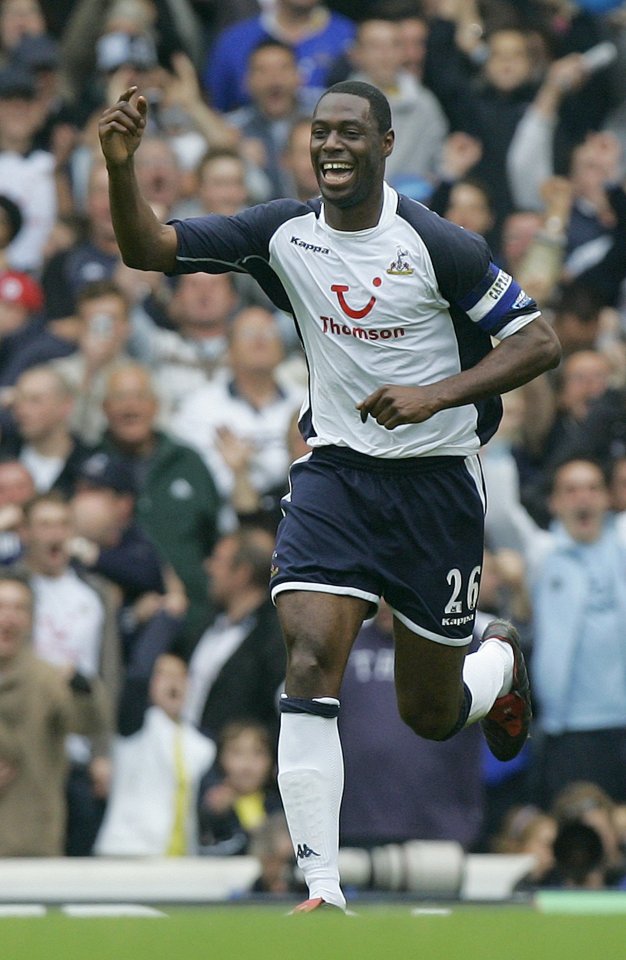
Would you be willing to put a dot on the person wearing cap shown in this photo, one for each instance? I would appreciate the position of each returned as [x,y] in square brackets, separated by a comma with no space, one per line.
[111,543]
[21,302]
[93,256]
[18,19]
[58,129]
[27,174]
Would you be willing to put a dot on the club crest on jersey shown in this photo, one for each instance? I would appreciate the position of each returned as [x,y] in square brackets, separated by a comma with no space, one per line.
[400,267]
[357,313]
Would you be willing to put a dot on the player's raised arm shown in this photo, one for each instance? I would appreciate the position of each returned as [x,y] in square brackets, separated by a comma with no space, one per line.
[145,243]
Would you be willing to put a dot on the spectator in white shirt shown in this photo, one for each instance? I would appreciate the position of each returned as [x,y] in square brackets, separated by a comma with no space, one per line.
[26,174]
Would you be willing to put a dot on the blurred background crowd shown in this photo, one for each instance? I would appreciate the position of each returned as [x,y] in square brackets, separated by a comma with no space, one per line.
[147,425]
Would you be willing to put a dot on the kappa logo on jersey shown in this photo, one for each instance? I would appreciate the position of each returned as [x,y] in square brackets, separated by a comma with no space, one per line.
[400,267]
[311,247]
[304,852]
[356,313]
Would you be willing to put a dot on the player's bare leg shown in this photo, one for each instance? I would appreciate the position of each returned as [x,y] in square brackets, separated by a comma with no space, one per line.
[440,690]
[319,631]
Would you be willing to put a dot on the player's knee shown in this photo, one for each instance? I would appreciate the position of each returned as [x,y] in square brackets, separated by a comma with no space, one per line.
[432,721]
[309,665]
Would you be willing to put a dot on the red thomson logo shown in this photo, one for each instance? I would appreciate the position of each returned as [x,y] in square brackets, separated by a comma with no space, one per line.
[356,314]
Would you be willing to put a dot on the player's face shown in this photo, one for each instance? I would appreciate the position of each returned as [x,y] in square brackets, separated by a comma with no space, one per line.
[348,151]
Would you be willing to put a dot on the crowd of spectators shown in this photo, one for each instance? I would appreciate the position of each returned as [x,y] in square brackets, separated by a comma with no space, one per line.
[147,425]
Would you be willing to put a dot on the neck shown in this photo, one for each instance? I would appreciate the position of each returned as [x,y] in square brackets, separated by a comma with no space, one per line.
[245,603]
[258,388]
[295,22]
[42,570]
[136,448]
[15,144]
[56,444]
[363,216]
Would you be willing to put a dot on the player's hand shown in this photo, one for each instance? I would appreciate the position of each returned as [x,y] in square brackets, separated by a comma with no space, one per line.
[391,406]
[121,127]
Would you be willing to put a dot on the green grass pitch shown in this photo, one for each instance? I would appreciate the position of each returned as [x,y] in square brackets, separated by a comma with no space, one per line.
[377,933]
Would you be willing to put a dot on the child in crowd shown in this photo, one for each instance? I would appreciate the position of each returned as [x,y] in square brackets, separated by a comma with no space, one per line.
[241,790]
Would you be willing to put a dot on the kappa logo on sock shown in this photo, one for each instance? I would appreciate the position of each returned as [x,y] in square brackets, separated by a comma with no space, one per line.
[304,852]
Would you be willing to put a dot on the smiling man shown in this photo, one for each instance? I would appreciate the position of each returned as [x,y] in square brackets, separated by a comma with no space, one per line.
[389,503]
[578,589]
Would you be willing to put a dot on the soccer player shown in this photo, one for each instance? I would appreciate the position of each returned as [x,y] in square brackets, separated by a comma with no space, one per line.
[396,309]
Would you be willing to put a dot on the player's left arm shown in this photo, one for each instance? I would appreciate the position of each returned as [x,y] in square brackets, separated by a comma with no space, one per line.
[519,358]
[489,301]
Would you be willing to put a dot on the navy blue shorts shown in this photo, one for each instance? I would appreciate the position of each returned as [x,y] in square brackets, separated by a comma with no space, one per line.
[408,530]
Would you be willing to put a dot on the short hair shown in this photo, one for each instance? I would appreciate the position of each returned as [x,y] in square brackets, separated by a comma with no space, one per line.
[267,44]
[562,463]
[254,548]
[234,729]
[20,577]
[580,299]
[96,289]
[219,153]
[379,105]
[54,497]
[579,797]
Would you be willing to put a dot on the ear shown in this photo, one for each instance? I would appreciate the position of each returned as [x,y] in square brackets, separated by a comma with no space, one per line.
[388,142]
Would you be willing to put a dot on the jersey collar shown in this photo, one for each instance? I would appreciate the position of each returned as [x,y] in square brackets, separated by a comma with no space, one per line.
[390,206]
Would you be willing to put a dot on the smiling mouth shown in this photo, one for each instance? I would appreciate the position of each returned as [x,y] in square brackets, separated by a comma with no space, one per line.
[336,172]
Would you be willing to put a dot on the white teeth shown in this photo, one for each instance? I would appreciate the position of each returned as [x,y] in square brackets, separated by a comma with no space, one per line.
[336,166]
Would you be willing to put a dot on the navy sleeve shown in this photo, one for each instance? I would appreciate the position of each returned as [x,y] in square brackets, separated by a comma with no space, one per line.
[466,274]
[215,244]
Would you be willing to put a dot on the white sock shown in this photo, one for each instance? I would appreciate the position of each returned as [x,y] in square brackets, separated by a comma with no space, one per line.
[310,778]
[489,674]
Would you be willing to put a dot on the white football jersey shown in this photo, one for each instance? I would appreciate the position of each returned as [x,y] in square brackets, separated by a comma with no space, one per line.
[411,301]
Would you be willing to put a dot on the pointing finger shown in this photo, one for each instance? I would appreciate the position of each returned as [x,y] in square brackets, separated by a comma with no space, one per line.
[365,406]
[127,94]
